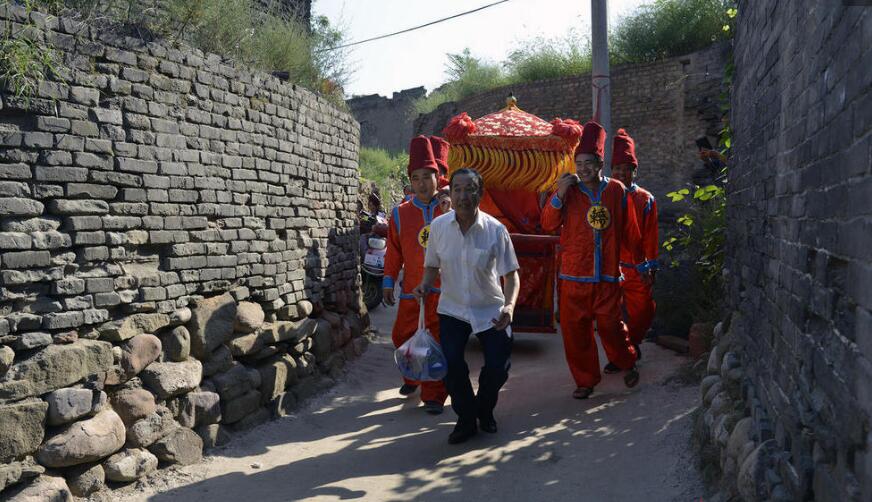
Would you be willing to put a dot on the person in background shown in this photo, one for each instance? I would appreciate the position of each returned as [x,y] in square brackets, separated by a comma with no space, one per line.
[638,299]
[408,238]
[595,223]
[472,252]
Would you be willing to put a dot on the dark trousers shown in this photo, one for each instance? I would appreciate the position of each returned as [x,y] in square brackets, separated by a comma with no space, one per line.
[497,347]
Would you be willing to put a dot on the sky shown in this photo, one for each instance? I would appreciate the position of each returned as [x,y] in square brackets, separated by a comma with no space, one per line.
[418,58]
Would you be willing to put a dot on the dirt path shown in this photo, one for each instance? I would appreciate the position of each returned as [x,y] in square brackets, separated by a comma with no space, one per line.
[362,441]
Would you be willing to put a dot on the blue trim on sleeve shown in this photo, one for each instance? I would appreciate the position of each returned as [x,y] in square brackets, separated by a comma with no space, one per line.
[387,282]
[556,203]
[396,214]
[652,265]
[649,205]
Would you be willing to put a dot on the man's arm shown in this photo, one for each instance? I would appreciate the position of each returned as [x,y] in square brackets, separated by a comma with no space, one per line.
[393,258]
[650,239]
[511,287]
[631,240]
[422,289]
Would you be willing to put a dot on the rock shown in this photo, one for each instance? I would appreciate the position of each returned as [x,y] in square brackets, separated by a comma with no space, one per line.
[288,331]
[67,405]
[232,383]
[714,362]
[707,383]
[220,360]
[63,338]
[304,308]
[84,441]
[177,344]
[138,353]
[7,355]
[133,405]
[699,338]
[22,427]
[713,391]
[751,483]
[33,340]
[86,479]
[132,325]
[741,434]
[44,489]
[182,446]
[258,417]
[171,379]
[322,340]
[730,361]
[284,404]
[274,377]
[15,472]
[213,435]
[249,317]
[129,465]
[212,324]
[151,428]
[237,409]
[54,367]
[245,345]
[333,318]
[205,407]
[721,404]
[180,316]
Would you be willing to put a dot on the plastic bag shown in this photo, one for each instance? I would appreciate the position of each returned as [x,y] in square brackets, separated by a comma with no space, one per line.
[421,357]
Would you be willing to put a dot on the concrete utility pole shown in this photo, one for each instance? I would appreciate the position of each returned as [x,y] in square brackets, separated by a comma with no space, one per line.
[602,93]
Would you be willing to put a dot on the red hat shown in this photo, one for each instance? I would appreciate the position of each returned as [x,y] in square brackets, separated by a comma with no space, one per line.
[421,155]
[593,140]
[624,150]
[440,151]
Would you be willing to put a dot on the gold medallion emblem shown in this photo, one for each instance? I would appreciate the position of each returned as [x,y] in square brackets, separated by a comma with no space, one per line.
[424,236]
[598,217]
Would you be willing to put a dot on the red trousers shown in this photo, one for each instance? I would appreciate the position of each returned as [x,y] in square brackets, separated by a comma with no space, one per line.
[581,304]
[406,325]
[639,304]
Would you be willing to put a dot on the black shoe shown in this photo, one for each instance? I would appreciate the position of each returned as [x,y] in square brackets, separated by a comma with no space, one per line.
[433,407]
[408,389]
[631,379]
[638,352]
[611,369]
[582,392]
[487,424]
[462,432]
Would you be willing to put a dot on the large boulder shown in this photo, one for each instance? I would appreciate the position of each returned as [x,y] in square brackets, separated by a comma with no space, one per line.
[133,404]
[213,435]
[274,376]
[202,407]
[249,317]
[22,426]
[177,344]
[212,324]
[129,465]
[132,325]
[16,472]
[232,383]
[182,446]
[84,441]
[86,479]
[151,428]
[44,489]
[138,353]
[322,340]
[237,409]
[7,355]
[245,345]
[171,379]
[68,405]
[54,367]
[218,361]
[288,331]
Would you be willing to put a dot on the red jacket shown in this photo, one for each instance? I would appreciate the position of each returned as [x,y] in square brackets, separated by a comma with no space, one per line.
[407,243]
[588,254]
[646,216]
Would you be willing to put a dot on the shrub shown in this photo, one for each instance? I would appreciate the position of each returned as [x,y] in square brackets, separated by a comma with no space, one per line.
[387,171]
[541,58]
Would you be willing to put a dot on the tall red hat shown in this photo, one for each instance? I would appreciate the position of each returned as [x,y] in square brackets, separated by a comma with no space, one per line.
[421,155]
[624,149]
[593,140]
[440,152]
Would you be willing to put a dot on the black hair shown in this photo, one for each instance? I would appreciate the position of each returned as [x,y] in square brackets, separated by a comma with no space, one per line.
[472,173]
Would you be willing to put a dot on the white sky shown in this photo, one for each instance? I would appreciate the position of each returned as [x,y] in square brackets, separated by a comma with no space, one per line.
[418,58]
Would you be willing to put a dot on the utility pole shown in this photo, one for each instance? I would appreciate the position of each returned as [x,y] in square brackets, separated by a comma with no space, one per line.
[601,83]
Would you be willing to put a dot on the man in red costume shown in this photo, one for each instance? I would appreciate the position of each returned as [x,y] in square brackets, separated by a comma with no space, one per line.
[638,300]
[596,222]
[408,233]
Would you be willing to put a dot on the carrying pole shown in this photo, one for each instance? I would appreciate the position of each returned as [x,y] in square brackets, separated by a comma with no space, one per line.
[601,83]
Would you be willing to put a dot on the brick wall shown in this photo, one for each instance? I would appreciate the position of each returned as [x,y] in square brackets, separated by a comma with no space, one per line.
[386,122]
[799,240]
[173,231]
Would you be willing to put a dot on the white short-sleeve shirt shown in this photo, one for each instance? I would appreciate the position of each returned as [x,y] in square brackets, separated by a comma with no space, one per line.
[470,267]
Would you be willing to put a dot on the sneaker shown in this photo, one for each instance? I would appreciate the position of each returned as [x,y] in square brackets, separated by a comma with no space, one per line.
[408,389]
[462,432]
[433,407]
[611,369]
[582,392]
[631,379]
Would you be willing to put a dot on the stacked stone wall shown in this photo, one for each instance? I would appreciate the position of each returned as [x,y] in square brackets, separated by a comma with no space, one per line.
[178,256]
[796,364]
[386,123]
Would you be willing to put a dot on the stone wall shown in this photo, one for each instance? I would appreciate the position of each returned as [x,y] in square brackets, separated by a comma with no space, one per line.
[665,106]
[178,253]
[798,248]
[386,122]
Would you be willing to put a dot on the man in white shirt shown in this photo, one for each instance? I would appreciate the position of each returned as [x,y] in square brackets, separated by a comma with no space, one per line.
[471,250]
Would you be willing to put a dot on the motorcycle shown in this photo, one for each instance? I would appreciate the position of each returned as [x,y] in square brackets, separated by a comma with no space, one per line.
[374,233]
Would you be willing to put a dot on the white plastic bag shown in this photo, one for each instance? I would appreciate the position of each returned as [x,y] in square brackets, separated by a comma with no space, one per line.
[421,357]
